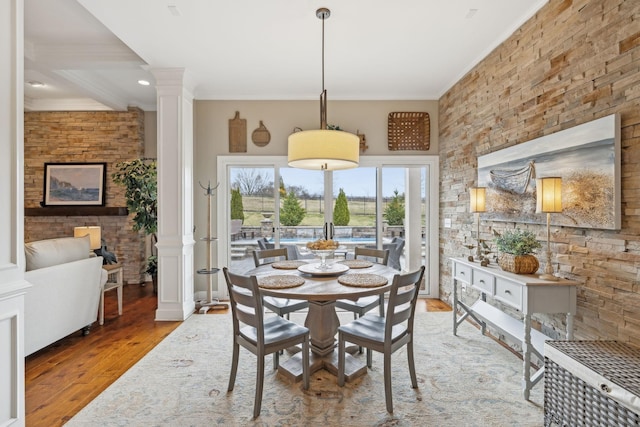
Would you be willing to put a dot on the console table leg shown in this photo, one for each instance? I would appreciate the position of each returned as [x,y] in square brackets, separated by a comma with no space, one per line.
[526,356]
[569,326]
[455,307]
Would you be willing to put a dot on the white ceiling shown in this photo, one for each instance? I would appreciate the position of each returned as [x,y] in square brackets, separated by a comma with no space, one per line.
[91,53]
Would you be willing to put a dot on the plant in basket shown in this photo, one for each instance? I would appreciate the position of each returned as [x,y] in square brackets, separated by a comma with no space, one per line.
[516,248]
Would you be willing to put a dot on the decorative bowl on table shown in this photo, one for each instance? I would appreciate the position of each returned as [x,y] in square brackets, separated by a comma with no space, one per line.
[323,248]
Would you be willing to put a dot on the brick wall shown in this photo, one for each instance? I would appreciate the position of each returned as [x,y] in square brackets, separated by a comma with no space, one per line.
[100,136]
[573,62]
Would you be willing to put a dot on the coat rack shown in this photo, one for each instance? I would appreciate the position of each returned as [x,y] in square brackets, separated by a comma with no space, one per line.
[210,303]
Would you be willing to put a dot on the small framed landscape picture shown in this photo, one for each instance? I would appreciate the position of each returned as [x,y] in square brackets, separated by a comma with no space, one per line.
[74,184]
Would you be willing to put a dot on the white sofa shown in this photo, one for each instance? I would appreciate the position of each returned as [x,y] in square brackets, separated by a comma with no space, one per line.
[66,289]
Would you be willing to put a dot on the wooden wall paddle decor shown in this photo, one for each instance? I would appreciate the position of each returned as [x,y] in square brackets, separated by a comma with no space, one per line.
[363,142]
[408,131]
[261,136]
[237,134]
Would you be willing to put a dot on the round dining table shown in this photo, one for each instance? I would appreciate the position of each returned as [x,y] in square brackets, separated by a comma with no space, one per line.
[321,289]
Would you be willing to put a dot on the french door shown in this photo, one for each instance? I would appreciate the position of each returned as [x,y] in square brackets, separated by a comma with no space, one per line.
[388,200]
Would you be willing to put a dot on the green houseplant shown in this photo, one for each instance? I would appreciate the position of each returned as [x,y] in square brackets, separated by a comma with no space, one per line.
[516,248]
[140,180]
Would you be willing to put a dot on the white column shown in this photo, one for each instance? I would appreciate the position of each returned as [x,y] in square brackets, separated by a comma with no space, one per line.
[175,195]
[12,283]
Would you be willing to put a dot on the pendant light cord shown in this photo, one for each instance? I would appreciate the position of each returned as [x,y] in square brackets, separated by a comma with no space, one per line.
[323,53]
[323,14]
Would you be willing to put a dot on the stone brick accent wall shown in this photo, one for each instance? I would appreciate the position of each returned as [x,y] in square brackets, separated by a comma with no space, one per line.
[96,136]
[573,62]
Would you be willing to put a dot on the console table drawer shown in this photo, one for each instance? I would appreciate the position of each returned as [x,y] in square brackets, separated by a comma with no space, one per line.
[509,293]
[462,272]
[483,281]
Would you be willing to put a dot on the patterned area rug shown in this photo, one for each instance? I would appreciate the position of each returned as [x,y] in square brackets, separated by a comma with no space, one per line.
[468,380]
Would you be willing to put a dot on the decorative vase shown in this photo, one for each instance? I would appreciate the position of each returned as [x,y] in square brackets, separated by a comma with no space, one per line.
[519,264]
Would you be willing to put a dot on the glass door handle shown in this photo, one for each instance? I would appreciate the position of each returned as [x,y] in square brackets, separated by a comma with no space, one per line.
[329,230]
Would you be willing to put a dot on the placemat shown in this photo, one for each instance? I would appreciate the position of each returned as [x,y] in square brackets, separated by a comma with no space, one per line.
[357,263]
[362,280]
[287,265]
[280,281]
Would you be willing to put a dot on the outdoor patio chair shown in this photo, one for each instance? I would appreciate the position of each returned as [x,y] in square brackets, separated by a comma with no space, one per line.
[396,246]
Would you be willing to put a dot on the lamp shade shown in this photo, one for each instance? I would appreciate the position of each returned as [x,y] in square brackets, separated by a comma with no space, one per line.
[478,198]
[323,149]
[92,231]
[549,194]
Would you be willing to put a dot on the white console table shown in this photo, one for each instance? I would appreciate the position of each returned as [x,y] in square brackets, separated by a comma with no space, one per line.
[524,292]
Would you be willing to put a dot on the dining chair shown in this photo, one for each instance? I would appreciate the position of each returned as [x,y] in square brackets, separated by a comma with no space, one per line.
[365,304]
[260,335]
[386,334]
[281,306]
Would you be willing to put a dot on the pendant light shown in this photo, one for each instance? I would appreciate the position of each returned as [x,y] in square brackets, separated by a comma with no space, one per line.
[323,149]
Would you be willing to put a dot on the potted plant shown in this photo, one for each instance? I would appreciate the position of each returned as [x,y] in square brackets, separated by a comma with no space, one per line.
[516,248]
[140,179]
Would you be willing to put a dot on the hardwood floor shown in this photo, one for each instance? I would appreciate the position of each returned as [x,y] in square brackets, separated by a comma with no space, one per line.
[63,378]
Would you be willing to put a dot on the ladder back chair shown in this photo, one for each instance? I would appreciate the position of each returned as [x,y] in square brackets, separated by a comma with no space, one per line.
[386,334]
[260,335]
[365,304]
[280,306]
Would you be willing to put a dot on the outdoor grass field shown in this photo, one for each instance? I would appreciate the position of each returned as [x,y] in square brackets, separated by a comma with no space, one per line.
[363,212]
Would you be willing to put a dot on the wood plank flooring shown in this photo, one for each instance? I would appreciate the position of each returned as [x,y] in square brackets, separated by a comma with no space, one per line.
[63,378]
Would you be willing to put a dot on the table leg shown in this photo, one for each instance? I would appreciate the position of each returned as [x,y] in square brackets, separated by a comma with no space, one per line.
[323,324]
[455,306]
[119,290]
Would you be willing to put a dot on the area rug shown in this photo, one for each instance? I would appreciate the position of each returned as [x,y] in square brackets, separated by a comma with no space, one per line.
[464,380]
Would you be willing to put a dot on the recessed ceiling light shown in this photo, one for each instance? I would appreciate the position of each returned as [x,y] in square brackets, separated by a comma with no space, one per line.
[35,83]
[143,82]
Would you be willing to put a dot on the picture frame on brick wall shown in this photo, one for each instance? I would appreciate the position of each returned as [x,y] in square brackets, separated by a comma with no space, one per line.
[74,184]
[587,157]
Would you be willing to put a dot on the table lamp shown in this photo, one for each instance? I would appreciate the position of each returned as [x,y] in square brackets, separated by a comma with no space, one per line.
[94,235]
[478,204]
[549,200]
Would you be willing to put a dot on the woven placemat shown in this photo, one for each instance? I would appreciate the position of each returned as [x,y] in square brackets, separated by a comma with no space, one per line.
[287,265]
[362,280]
[357,263]
[280,281]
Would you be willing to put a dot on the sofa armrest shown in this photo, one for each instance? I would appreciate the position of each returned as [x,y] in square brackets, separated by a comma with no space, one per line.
[63,299]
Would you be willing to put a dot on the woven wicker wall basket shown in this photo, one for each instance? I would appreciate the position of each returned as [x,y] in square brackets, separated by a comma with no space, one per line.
[408,131]
[519,264]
